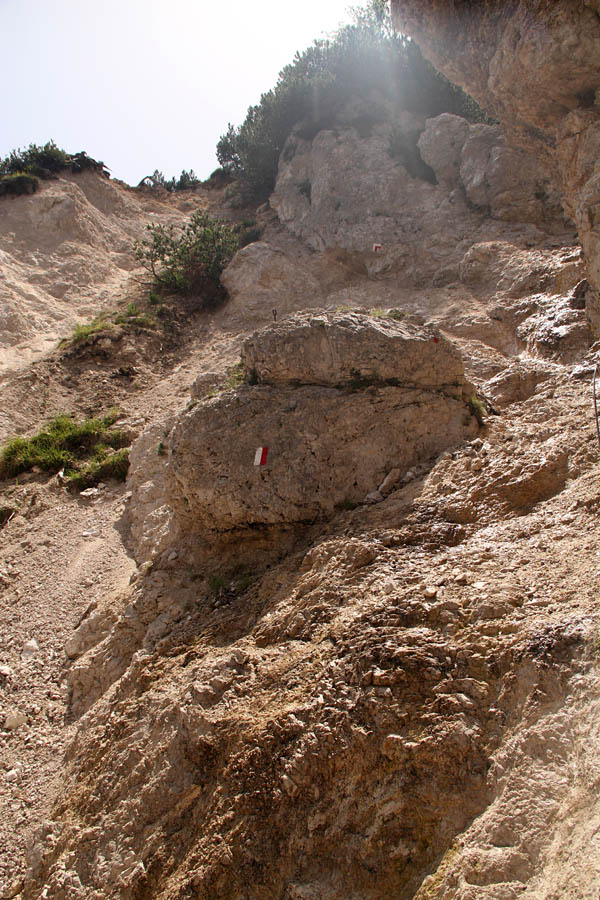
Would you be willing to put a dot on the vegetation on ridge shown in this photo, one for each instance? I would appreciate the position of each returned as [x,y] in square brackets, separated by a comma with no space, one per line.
[187,181]
[21,170]
[366,60]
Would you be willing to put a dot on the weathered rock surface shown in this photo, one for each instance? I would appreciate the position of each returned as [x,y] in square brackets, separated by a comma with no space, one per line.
[344,190]
[338,349]
[262,278]
[535,66]
[396,697]
[341,400]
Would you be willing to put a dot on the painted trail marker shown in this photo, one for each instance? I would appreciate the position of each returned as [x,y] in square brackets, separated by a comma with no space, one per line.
[376,248]
[260,457]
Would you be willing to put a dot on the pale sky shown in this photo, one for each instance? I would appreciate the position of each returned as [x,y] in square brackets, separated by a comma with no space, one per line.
[145,84]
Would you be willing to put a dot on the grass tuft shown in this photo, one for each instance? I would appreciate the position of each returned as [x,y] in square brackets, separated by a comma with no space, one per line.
[478,408]
[87,451]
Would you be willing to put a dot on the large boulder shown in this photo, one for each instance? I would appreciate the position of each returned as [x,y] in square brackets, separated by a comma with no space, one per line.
[341,401]
[261,278]
[343,348]
[441,146]
[507,181]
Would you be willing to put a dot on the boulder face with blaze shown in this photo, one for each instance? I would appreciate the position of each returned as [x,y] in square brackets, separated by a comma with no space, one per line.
[339,399]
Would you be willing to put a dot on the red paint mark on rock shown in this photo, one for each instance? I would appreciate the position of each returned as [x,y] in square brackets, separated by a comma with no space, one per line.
[260,457]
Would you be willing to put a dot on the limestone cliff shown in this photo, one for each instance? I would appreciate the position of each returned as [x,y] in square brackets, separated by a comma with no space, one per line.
[369,667]
[535,65]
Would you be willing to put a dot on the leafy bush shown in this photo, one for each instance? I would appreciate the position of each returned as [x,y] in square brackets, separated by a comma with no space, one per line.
[364,59]
[40,161]
[189,260]
[85,450]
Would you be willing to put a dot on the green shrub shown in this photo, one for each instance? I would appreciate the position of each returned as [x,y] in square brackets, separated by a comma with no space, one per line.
[85,450]
[46,161]
[187,181]
[19,183]
[364,58]
[40,161]
[189,260]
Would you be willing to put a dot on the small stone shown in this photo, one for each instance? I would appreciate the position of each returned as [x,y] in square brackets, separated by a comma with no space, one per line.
[479,585]
[13,775]
[88,534]
[389,481]
[460,578]
[30,648]
[289,786]
[89,492]
[380,676]
[374,497]
[5,671]
[12,890]
[476,464]
[173,556]
[14,720]
[393,746]
[430,592]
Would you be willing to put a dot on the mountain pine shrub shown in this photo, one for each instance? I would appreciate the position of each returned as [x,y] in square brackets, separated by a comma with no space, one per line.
[189,260]
[21,170]
[364,59]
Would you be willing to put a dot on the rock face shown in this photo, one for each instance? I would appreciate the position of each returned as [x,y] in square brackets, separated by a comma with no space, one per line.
[340,401]
[261,278]
[339,349]
[535,66]
[344,190]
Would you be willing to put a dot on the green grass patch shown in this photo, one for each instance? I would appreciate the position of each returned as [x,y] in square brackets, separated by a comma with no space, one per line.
[478,408]
[379,313]
[88,451]
[236,376]
[131,317]
[83,330]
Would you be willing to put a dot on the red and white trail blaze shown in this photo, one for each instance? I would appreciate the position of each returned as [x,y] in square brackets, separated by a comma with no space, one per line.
[260,457]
